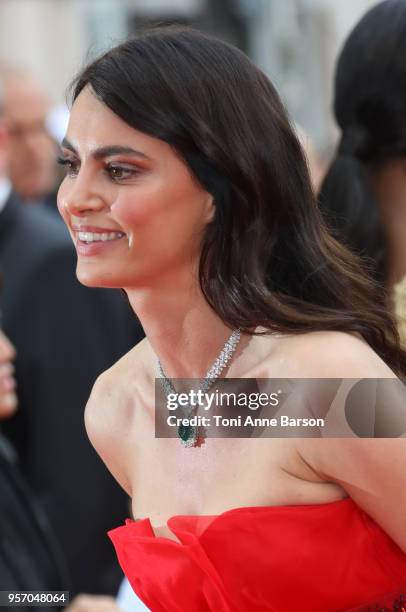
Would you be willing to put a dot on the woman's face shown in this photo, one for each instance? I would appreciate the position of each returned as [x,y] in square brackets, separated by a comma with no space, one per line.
[8,399]
[134,211]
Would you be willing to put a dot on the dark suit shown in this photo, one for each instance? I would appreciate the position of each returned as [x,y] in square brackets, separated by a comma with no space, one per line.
[65,335]
[29,556]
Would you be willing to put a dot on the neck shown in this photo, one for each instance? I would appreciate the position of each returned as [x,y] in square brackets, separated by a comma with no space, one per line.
[185,334]
[396,250]
[390,189]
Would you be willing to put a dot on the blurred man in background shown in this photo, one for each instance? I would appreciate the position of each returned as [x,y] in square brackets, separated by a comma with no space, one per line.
[65,335]
[30,557]
[32,149]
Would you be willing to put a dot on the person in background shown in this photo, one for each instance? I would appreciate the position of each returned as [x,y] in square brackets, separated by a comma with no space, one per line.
[30,557]
[8,397]
[59,354]
[32,148]
[314,159]
[363,195]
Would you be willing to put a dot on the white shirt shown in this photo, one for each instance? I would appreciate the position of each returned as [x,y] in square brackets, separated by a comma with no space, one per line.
[128,601]
[5,190]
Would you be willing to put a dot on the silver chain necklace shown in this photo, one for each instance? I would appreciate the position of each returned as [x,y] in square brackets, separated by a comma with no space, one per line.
[190,435]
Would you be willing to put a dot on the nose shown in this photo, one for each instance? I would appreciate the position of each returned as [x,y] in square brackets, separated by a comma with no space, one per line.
[83,206]
[80,197]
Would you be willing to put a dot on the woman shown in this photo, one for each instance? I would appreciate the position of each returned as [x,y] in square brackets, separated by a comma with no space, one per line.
[187,188]
[364,192]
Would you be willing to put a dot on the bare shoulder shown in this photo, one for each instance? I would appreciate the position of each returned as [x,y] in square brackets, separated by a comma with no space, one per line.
[113,386]
[371,471]
[110,410]
[110,385]
[331,354]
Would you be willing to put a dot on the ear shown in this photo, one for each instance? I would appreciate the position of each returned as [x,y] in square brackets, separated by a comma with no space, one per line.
[210,208]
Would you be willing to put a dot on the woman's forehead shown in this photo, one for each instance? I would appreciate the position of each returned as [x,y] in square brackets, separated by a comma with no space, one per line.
[92,125]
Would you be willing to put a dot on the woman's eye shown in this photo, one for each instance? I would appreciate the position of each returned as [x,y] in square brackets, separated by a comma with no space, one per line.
[120,172]
[71,167]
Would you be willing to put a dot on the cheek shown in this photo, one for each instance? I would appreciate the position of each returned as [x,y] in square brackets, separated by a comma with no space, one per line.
[136,210]
[162,217]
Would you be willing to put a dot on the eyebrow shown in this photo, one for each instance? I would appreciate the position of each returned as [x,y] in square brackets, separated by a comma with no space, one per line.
[107,151]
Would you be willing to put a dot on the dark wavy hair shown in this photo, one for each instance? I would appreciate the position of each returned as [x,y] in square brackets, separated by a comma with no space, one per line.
[267,259]
[370,110]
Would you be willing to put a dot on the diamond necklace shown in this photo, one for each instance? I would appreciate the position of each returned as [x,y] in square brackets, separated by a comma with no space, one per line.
[191,435]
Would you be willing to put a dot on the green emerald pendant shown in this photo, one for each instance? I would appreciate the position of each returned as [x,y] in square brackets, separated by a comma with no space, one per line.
[186,433]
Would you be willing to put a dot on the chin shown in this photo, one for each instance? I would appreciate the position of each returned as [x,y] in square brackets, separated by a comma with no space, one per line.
[91,278]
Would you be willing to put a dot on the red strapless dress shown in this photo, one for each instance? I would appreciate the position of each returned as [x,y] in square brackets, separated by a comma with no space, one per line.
[312,558]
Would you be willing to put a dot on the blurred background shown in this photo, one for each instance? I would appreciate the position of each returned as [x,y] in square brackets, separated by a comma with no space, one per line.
[43,44]
[294,41]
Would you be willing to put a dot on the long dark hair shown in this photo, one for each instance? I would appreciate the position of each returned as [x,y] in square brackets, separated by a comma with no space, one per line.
[266,258]
[370,109]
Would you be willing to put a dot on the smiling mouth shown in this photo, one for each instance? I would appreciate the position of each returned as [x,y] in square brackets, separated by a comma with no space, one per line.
[91,237]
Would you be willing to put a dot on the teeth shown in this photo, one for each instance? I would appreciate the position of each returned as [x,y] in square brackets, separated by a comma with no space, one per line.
[99,237]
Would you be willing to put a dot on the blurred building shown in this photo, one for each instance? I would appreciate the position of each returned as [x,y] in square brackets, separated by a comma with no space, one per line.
[294,41]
